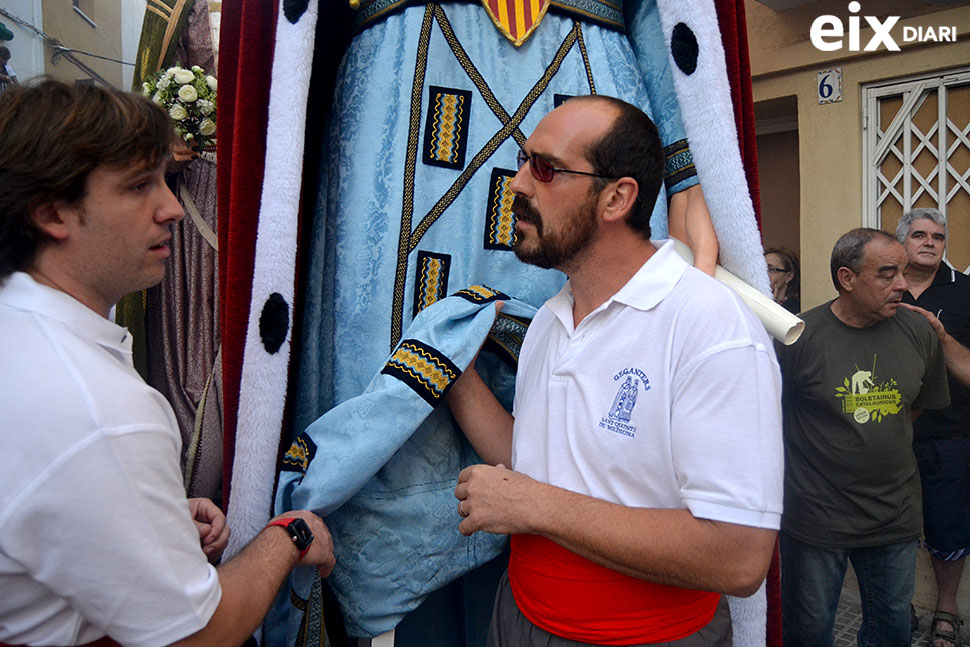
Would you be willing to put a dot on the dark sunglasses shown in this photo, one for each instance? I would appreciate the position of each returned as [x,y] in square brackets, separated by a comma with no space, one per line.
[543,170]
[773,269]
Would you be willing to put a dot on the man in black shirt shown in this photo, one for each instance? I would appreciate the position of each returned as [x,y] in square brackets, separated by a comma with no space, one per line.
[942,436]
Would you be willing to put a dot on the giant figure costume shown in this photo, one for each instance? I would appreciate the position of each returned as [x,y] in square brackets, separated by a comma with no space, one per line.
[429,106]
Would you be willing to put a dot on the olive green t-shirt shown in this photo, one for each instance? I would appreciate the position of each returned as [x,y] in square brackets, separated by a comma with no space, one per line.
[850,475]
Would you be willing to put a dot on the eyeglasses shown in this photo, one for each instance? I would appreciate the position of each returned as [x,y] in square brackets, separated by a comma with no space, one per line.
[775,270]
[543,170]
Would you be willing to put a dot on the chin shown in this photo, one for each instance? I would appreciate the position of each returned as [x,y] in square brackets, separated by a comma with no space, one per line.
[149,281]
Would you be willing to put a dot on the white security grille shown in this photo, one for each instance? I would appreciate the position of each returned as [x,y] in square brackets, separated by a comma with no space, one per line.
[917,153]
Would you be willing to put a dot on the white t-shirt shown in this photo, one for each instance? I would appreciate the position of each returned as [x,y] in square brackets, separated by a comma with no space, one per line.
[666,396]
[95,532]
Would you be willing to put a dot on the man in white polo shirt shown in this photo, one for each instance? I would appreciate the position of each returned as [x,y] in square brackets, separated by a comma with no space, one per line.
[98,544]
[645,444]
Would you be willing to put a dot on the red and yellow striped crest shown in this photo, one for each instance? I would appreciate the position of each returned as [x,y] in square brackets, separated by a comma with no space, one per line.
[516,19]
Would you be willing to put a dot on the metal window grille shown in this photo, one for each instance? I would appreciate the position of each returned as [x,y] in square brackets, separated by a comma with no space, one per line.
[917,153]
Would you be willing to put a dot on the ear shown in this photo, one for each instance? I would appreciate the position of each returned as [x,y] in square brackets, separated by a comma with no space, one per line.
[846,278]
[619,198]
[51,218]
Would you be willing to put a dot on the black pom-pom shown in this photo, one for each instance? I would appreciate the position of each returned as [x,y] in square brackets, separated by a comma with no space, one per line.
[683,47]
[274,322]
[294,9]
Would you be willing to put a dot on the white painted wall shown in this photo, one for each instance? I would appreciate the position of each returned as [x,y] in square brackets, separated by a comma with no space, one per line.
[26,48]
[132,15]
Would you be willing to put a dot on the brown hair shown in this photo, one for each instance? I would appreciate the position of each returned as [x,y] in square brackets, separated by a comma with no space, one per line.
[52,135]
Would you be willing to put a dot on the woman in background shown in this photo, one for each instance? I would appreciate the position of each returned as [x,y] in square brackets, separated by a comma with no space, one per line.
[784,277]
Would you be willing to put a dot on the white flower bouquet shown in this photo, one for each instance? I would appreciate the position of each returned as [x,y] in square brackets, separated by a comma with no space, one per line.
[189,96]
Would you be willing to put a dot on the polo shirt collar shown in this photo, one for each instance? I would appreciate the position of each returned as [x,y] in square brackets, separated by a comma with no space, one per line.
[20,291]
[944,274]
[654,280]
[649,286]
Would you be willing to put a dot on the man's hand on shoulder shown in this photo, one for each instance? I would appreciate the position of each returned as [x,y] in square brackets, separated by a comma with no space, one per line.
[496,499]
[930,317]
[957,355]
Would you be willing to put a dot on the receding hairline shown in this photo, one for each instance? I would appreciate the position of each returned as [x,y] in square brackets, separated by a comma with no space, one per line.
[867,248]
[602,100]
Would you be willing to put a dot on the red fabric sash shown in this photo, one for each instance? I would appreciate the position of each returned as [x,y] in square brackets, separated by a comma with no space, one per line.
[570,596]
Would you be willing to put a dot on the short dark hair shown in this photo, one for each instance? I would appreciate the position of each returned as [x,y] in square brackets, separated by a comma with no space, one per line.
[850,251]
[52,135]
[4,52]
[631,148]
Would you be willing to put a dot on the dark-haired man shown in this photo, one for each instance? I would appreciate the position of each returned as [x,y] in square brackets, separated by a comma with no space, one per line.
[942,438]
[641,387]
[98,544]
[852,383]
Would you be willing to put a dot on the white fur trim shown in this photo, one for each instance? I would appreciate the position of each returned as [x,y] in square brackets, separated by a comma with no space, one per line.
[708,115]
[262,390]
[749,619]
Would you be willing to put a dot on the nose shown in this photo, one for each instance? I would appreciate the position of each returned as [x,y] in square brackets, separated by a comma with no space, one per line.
[522,182]
[900,284]
[170,210]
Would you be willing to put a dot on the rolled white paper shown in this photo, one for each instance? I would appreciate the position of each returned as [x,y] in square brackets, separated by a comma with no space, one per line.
[780,324]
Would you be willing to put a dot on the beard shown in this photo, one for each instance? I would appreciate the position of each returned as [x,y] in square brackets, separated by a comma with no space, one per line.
[556,248]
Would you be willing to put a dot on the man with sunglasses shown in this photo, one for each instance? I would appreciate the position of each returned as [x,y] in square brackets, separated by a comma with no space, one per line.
[641,388]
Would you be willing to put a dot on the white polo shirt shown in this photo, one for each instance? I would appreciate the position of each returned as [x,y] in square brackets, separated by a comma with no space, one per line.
[666,396]
[95,531]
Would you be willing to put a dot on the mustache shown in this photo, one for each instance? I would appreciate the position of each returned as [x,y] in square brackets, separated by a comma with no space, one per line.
[526,213]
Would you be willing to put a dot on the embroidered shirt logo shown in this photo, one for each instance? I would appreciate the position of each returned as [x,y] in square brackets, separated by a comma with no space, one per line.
[865,399]
[618,418]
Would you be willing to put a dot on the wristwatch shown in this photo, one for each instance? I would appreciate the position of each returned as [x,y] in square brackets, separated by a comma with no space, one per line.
[299,532]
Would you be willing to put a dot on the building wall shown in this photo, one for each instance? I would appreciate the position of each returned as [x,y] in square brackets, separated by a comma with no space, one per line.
[95,29]
[132,16]
[830,136]
[779,182]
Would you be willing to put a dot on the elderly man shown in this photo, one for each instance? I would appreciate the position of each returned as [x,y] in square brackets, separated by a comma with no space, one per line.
[852,383]
[98,544]
[942,437]
[641,387]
